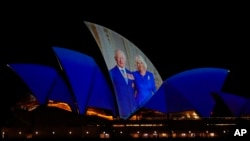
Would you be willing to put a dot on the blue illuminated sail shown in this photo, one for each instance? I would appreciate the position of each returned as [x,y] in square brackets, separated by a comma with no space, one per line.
[168,100]
[234,102]
[86,80]
[101,95]
[196,85]
[44,82]
[245,110]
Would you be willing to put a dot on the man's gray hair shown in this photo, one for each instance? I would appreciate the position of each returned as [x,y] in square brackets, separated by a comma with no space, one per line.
[119,51]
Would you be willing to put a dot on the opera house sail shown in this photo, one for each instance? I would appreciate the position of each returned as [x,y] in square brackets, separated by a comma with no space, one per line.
[109,42]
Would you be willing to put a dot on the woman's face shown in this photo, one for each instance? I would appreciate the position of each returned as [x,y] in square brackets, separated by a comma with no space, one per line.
[140,66]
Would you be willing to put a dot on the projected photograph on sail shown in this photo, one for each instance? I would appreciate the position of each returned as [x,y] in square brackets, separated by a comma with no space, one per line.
[134,77]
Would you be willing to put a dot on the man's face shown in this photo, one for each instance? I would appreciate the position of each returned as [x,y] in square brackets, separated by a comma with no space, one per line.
[120,59]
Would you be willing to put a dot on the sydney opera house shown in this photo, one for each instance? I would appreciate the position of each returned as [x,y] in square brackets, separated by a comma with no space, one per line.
[78,98]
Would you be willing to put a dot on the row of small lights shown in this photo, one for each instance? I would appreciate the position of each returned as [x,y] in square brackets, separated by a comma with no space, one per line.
[36,132]
[87,132]
[121,132]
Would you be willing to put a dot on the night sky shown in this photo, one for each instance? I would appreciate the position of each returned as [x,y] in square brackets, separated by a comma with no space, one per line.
[174,40]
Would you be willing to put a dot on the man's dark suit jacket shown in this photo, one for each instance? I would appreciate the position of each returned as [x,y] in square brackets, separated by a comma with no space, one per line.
[124,92]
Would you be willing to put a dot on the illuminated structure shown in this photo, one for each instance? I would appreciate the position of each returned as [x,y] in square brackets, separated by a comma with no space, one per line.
[80,102]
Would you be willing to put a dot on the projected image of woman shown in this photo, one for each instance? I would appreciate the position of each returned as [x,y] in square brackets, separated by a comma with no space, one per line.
[144,81]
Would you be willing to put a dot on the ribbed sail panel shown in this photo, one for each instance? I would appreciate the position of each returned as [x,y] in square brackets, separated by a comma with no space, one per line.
[102,95]
[44,82]
[168,100]
[234,102]
[39,79]
[159,101]
[62,93]
[85,78]
[196,85]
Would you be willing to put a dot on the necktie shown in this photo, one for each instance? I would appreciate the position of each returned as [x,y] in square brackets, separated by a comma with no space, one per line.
[124,75]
